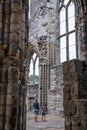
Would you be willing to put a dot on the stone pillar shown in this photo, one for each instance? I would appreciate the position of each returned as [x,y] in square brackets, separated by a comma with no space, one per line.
[4,43]
[43,84]
[13,70]
[75,94]
[82,36]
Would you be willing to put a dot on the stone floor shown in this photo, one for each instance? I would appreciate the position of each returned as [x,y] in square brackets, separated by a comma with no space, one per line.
[54,122]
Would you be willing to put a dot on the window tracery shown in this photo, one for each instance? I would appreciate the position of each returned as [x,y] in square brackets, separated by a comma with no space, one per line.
[67,35]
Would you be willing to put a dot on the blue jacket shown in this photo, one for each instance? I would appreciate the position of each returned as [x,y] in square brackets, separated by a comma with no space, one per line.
[36,105]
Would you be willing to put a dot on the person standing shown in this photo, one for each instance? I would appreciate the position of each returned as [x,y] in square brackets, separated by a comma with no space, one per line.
[44,111]
[36,110]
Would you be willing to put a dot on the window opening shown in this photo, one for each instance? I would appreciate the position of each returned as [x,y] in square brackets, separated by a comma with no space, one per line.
[67,31]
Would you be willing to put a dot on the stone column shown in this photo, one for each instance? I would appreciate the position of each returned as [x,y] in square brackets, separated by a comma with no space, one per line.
[82,37]
[1,66]
[81,28]
[75,94]
[43,84]
[4,43]
[13,70]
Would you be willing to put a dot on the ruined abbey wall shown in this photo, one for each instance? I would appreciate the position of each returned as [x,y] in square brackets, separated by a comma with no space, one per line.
[13,43]
[42,34]
[43,40]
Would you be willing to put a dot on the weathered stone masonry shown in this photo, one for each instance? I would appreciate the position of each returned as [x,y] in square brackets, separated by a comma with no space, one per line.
[13,42]
[13,62]
[75,76]
[42,37]
[75,95]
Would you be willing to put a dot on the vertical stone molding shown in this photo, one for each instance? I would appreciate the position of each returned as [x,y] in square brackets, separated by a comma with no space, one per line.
[43,84]
[13,43]
[4,41]
[82,37]
[81,27]
[75,94]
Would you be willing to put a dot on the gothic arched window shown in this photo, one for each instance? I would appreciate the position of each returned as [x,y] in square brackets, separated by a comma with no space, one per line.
[34,70]
[67,35]
[29,10]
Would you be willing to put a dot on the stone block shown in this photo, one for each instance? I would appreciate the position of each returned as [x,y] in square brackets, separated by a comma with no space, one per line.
[13,74]
[23,17]
[67,91]
[12,88]
[79,90]
[0,16]
[68,123]
[6,37]
[82,90]
[67,108]
[7,8]
[10,99]
[70,108]
[3,88]
[2,121]
[23,26]
[84,121]
[85,78]
[73,107]
[73,77]
[1,8]
[15,18]
[51,29]
[4,74]
[76,120]
[85,66]
[15,6]
[2,99]
[14,38]
[72,66]
[15,61]
[13,121]
[0,28]
[82,107]
[15,28]
[78,128]
[2,110]
[7,123]
[0,75]
[23,35]
[8,110]
[75,86]
[68,128]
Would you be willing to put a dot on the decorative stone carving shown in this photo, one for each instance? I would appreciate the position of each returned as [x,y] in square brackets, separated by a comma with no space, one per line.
[42,43]
[44,23]
[41,11]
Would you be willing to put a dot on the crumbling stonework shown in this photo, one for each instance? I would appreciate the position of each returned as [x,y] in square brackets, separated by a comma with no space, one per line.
[16,52]
[75,94]
[42,37]
[13,32]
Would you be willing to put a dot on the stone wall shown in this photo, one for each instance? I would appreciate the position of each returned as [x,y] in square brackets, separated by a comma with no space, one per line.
[32,92]
[55,93]
[42,36]
[75,94]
